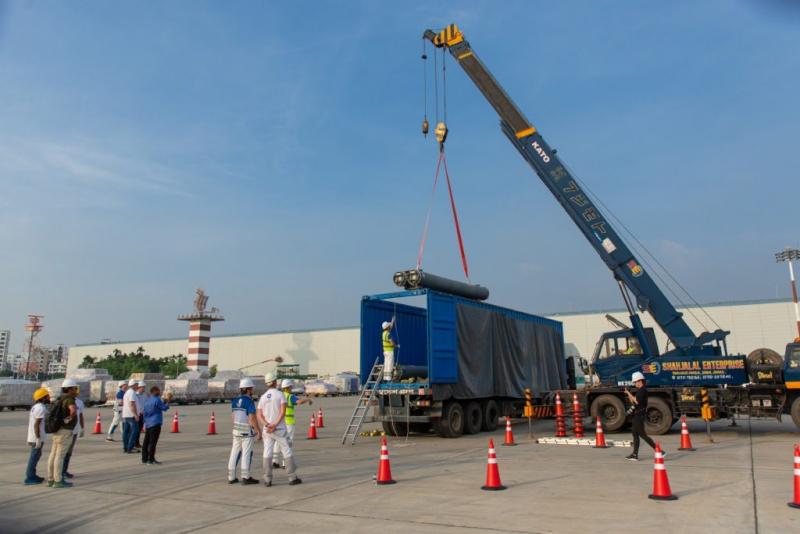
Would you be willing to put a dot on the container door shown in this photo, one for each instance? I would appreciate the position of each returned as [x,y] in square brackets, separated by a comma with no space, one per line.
[442,351]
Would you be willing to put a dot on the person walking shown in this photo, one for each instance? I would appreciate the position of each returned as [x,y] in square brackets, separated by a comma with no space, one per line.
[153,416]
[117,420]
[79,430]
[272,420]
[245,424]
[36,434]
[140,398]
[639,402]
[130,418]
[389,345]
[66,415]
[291,403]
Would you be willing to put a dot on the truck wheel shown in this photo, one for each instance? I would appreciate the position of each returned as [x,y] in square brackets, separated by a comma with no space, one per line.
[796,412]
[491,413]
[395,428]
[611,412]
[473,417]
[451,424]
[659,417]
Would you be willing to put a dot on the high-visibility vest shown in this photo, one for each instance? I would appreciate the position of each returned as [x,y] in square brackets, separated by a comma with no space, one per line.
[388,344]
[289,408]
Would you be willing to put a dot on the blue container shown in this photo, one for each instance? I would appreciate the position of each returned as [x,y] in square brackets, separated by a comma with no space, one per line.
[429,336]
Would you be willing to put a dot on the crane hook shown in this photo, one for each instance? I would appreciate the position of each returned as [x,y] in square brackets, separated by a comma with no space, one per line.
[425,126]
[441,133]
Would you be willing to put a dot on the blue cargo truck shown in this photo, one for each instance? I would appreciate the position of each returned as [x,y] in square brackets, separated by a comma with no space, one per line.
[461,364]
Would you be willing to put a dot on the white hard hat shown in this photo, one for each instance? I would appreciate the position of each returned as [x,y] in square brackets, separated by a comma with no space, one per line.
[637,376]
[121,383]
[69,383]
[386,325]
[286,383]
[141,383]
[270,377]
[246,383]
[131,382]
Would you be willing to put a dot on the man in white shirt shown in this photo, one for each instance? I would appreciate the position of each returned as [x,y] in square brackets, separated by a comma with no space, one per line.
[77,431]
[130,418]
[271,417]
[122,387]
[36,434]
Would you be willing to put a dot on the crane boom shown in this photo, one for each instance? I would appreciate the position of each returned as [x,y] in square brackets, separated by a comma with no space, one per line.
[575,201]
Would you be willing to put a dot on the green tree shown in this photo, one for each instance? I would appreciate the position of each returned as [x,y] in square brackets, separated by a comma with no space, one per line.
[212,371]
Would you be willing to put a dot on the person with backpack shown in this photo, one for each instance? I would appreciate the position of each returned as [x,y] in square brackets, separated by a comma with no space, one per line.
[36,434]
[60,424]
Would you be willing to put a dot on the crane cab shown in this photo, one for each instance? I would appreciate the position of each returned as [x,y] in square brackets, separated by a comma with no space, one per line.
[621,352]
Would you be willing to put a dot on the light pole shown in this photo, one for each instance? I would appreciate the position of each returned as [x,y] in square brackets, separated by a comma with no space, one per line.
[789,255]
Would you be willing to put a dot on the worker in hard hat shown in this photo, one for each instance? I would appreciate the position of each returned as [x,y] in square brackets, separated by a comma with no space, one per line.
[389,345]
[122,386]
[130,418]
[291,403]
[66,413]
[36,434]
[245,432]
[638,413]
[272,420]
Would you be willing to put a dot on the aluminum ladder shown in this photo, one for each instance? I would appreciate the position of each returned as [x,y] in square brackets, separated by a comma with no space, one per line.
[364,403]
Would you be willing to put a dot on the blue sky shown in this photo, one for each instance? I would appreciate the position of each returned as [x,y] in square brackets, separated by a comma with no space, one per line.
[270,153]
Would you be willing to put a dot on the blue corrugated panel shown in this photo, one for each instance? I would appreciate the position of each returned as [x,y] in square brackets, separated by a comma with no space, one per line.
[442,352]
[411,333]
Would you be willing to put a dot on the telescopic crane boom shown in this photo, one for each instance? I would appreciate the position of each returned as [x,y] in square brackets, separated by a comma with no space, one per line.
[627,270]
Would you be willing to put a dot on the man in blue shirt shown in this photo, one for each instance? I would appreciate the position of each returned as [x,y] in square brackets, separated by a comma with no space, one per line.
[154,408]
[243,413]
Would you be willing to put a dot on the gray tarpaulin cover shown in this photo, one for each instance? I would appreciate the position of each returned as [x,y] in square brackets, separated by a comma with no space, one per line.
[499,356]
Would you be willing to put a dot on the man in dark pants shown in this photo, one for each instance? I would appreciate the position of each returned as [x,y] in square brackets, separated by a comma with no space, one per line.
[639,402]
[154,408]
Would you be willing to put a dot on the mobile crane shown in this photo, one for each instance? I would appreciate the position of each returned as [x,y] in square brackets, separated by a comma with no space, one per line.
[760,385]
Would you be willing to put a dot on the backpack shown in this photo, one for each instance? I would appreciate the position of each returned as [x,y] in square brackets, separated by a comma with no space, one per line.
[55,417]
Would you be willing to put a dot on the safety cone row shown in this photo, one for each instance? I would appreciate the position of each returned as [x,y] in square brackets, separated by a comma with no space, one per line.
[175,426]
[384,467]
[661,489]
[509,441]
[686,440]
[492,472]
[98,429]
[599,435]
[320,420]
[577,416]
[212,425]
[312,429]
[796,502]
[561,427]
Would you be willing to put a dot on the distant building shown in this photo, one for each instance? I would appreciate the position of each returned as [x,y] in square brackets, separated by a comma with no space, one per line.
[5,342]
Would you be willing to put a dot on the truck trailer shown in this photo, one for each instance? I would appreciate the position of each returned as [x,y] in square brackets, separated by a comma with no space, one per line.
[461,364]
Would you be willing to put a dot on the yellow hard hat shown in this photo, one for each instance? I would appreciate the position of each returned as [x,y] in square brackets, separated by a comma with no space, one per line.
[39,394]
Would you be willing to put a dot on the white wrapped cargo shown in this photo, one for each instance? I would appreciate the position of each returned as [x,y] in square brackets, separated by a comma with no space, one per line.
[345,383]
[16,393]
[224,375]
[320,388]
[89,374]
[54,386]
[187,390]
[147,377]
[97,393]
[193,375]
[220,389]
[260,386]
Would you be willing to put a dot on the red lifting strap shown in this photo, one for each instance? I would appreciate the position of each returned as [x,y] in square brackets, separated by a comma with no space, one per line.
[443,163]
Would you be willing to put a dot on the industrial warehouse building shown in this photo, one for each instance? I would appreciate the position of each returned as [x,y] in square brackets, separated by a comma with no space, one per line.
[328,351]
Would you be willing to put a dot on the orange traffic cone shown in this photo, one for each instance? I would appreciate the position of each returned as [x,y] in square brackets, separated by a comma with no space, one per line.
[686,440]
[97,426]
[312,430]
[796,502]
[561,427]
[320,421]
[175,428]
[384,468]
[509,442]
[492,472]
[212,425]
[577,416]
[661,490]
[599,435]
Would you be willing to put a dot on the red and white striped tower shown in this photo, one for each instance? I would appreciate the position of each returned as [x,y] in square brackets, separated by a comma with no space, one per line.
[200,332]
